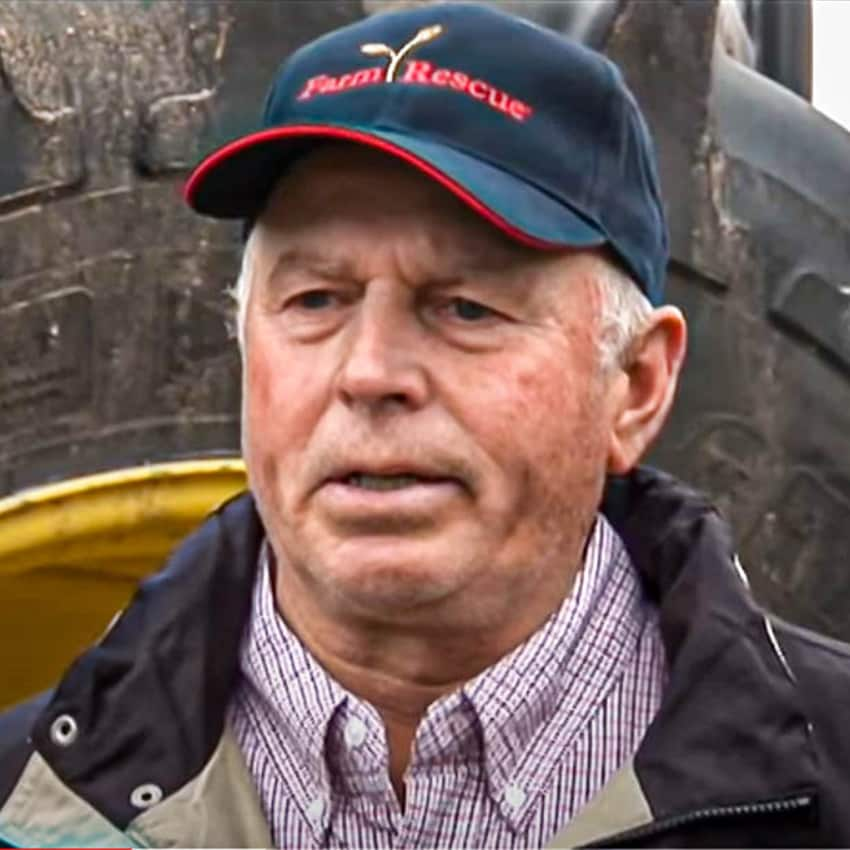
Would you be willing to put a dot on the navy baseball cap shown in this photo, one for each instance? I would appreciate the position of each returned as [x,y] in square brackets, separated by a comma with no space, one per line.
[536,133]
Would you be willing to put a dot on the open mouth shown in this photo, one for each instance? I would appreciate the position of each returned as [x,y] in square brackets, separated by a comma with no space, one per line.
[367,481]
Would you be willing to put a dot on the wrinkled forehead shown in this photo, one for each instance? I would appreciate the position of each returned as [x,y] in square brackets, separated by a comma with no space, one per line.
[338,196]
[336,175]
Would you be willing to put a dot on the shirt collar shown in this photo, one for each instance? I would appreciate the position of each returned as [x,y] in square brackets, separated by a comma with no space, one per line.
[574,656]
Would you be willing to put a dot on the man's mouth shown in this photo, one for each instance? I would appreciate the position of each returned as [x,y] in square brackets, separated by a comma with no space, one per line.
[360,493]
[366,481]
[384,482]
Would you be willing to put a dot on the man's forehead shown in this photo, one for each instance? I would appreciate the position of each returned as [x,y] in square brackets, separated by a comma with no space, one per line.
[428,263]
[347,169]
[340,186]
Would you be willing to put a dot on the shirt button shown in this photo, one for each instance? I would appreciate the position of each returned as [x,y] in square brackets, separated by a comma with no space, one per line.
[514,796]
[355,732]
[316,809]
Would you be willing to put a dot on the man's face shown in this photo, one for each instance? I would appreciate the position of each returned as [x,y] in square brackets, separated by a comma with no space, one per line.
[425,420]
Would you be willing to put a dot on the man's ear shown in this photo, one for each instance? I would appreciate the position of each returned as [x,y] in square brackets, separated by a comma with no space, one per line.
[644,387]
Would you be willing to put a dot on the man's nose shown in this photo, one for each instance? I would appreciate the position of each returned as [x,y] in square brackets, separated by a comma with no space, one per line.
[381,361]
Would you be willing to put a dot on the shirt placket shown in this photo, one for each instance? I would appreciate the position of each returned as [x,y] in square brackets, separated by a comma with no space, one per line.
[444,774]
[357,755]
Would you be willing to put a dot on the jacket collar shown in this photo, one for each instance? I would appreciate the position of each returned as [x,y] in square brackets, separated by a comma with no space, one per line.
[218,808]
[731,728]
[151,700]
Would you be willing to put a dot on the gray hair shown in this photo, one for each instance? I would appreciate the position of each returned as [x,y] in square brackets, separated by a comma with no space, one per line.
[241,290]
[625,314]
[625,309]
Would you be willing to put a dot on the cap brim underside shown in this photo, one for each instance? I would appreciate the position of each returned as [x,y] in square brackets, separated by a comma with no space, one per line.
[234,182]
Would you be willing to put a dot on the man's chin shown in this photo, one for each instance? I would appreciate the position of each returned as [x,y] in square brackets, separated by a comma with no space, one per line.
[385,576]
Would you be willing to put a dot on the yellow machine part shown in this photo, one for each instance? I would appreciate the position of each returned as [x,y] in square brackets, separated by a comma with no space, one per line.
[72,553]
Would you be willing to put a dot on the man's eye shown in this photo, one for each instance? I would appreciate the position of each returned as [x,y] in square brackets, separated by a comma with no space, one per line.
[315,299]
[470,311]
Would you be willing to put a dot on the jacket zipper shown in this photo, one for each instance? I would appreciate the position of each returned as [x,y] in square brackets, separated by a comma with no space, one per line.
[767,807]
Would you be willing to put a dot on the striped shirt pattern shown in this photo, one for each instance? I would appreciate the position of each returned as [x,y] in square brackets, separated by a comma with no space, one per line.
[504,762]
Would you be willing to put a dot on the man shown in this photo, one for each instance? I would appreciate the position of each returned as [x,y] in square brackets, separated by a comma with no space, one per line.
[452,611]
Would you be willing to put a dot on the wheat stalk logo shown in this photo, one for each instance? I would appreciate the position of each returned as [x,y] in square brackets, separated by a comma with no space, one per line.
[396,58]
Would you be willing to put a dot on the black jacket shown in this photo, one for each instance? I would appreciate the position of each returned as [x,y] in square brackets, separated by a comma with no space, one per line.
[748,748]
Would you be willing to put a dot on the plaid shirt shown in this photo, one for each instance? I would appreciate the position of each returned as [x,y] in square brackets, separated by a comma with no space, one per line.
[503,762]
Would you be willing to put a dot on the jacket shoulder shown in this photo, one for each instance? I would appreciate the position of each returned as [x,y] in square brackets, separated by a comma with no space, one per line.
[821,667]
[814,654]
[15,745]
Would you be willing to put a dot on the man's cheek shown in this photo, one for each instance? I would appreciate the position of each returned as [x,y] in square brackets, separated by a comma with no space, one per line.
[266,431]
[540,407]
[272,389]
[516,392]
[257,380]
